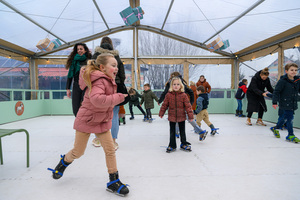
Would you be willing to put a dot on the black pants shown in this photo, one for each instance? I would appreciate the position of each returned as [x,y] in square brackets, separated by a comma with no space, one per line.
[260,112]
[77,97]
[182,134]
[148,111]
[139,107]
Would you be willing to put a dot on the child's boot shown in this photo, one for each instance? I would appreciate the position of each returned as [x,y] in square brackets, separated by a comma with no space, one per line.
[260,122]
[145,119]
[241,114]
[60,168]
[116,186]
[292,138]
[248,121]
[132,117]
[275,132]
[124,122]
[237,113]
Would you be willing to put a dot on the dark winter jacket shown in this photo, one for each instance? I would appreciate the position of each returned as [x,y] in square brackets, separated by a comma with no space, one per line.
[286,93]
[240,94]
[178,105]
[107,48]
[76,76]
[148,97]
[255,91]
[187,90]
[134,99]
[202,102]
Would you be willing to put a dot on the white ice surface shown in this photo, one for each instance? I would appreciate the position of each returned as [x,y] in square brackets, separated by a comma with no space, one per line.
[240,163]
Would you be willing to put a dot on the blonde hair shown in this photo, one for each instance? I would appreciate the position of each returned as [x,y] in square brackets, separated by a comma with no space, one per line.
[192,83]
[93,65]
[180,83]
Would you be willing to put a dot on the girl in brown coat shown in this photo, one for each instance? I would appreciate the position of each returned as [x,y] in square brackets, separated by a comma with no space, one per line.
[177,103]
[202,81]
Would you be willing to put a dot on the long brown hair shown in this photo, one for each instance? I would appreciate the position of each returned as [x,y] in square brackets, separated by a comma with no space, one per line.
[74,52]
[175,74]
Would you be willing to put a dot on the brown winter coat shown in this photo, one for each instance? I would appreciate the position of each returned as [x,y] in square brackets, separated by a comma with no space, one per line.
[194,88]
[205,84]
[178,105]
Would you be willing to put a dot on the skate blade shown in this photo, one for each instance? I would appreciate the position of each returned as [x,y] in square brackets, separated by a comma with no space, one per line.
[115,192]
[187,150]
[204,136]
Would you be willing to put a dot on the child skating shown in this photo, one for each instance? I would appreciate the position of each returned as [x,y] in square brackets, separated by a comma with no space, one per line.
[148,98]
[201,110]
[286,94]
[134,101]
[177,103]
[95,116]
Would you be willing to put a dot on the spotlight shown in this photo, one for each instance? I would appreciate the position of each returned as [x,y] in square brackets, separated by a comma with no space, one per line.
[9,56]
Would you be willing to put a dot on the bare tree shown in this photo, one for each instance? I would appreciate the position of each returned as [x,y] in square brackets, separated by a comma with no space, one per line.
[157,45]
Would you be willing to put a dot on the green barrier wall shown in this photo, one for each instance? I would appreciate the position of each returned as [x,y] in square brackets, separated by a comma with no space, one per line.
[45,104]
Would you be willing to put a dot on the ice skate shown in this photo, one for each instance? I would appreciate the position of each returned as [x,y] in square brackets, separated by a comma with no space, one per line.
[292,138]
[202,135]
[60,168]
[116,186]
[214,131]
[185,147]
[275,132]
[170,149]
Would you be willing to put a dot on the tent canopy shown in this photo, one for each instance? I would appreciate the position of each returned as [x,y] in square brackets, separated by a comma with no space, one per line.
[249,25]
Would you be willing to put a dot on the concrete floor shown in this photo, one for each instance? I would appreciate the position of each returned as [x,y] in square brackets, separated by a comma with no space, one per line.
[242,162]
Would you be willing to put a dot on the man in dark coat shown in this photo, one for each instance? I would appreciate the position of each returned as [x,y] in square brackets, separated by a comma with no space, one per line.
[256,95]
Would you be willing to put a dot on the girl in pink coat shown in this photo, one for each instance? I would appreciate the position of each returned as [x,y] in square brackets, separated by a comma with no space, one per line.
[178,105]
[95,116]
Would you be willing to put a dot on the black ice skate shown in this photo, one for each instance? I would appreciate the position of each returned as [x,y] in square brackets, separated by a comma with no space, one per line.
[116,186]
[60,168]
[186,147]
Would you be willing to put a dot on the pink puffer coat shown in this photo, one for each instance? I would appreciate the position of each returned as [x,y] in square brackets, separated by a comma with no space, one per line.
[96,111]
[178,106]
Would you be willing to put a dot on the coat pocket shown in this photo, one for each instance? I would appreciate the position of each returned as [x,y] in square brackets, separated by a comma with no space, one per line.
[97,118]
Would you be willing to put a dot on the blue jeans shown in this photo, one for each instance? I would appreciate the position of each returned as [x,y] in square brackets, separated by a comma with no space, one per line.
[115,122]
[286,116]
[240,104]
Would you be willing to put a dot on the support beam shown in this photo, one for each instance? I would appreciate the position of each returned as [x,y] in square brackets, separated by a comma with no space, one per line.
[167,15]
[99,11]
[237,18]
[29,19]
[186,71]
[280,62]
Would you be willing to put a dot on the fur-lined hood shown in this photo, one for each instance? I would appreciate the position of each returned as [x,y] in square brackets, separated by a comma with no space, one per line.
[100,50]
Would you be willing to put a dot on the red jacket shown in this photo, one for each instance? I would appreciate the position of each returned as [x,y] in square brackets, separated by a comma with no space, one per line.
[178,105]
[96,112]
[194,88]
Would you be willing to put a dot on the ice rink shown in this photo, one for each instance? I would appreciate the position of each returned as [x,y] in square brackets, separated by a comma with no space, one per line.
[239,163]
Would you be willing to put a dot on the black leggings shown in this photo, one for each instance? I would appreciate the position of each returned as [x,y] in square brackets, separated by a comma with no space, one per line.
[139,107]
[260,112]
[182,134]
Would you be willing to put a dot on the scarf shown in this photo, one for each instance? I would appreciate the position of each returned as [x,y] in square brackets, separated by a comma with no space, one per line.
[75,66]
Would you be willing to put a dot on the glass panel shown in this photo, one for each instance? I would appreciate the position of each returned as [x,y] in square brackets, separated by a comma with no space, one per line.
[18,95]
[52,77]
[5,95]
[128,79]
[228,94]
[46,95]
[217,94]
[14,74]
[158,75]
[218,76]
[249,68]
